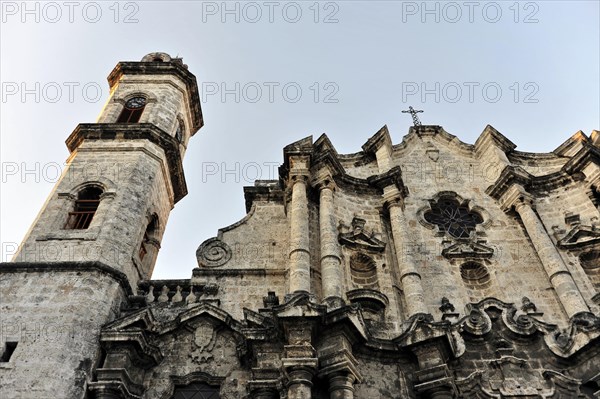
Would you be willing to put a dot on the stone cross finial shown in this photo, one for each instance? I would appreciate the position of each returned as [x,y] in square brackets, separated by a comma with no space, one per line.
[414,113]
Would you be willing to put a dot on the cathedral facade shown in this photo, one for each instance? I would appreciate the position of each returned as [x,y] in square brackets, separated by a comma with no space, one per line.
[431,268]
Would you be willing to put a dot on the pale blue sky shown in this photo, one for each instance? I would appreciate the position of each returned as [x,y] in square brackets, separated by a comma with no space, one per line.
[369,58]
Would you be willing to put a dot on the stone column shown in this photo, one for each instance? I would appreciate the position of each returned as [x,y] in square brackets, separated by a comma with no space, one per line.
[331,264]
[300,382]
[410,279]
[264,393]
[106,394]
[299,236]
[557,271]
[341,386]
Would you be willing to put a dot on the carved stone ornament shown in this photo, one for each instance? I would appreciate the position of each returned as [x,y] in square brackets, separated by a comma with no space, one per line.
[358,237]
[452,217]
[580,236]
[205,337]
[432,152]
[512,377]
[468,249]
[213,253]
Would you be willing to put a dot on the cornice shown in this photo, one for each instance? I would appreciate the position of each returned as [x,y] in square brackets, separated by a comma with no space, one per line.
[136,131]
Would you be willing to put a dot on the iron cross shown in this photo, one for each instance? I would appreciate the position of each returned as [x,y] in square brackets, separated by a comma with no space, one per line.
[413,113]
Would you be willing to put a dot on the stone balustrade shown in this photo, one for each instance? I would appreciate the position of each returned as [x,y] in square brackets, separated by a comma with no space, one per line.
[176,291]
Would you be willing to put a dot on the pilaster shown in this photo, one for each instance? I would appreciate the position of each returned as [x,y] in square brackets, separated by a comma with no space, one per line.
[410,278]
[299,280]
[559,275]
[332,273]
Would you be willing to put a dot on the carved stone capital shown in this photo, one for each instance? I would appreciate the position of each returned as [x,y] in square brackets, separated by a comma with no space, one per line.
[515,197]
[341,385]
[325,183]
[435,382]
[323,178]
[300,370]
[263,389]
[392,177]
[299,163]
[299,176]
[392,197]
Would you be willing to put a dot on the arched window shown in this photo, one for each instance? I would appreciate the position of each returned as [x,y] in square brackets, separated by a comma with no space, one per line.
[363,272]
[179,132]
[196,390]
[148,235]
[85,208]
[596,196]
[475,275]
[453,218]
[590,262]
[133,110]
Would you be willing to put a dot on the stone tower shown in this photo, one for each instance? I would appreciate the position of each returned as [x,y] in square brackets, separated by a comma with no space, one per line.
[99,231]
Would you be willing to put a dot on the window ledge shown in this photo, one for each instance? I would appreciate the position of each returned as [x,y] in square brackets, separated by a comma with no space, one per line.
[90,234]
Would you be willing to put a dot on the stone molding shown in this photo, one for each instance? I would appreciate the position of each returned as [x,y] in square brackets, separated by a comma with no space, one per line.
[45,267]
[136,131]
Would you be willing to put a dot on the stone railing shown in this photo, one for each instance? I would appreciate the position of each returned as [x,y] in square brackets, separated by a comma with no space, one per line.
[176,291]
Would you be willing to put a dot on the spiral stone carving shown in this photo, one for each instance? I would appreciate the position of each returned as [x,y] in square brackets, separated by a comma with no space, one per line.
[213,253]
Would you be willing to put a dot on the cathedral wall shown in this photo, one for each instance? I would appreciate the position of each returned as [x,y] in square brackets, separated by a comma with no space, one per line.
[433,167]
[260,240]
[562,211]
[383,379]
[238,290]
[500,362]
[349,204]
[538,164]
[55,317]
[357,167]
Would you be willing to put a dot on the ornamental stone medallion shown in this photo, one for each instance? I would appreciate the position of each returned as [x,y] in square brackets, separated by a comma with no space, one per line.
[213,253]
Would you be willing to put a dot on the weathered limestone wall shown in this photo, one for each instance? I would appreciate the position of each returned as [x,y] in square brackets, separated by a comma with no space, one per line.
[537,164]
[384,378]
[240,290]
[260,240]
[457,171]
[55,317]
[357,165]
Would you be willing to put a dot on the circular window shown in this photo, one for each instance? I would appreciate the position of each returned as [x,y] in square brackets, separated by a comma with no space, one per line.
[453,218]
[475,275]
[590,260]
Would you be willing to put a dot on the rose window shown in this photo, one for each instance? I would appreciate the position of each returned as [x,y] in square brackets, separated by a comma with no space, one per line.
[453,218]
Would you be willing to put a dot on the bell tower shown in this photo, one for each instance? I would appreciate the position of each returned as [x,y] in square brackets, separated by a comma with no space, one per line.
[100,230]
